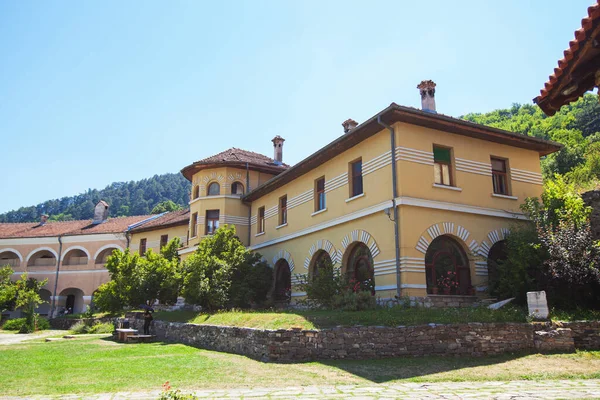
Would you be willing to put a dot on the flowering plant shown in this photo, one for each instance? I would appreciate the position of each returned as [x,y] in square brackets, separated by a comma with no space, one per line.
[448,281]
[169,394]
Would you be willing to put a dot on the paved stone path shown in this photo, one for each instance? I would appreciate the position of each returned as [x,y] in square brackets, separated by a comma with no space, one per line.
[567,389]
[14,338]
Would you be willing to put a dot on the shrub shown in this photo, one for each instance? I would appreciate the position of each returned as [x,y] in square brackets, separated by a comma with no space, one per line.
[323,286]
[85,327]
[80,327]
[102,327]
[354,301]
[169,394]
[14,324]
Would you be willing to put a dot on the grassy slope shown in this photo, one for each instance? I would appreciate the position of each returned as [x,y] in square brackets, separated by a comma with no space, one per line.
[93,365]
[325,319]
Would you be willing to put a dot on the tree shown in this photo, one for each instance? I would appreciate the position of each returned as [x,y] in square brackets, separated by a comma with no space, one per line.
[28,299]
[171,250]
[165,206]
[7,289]
[222,272]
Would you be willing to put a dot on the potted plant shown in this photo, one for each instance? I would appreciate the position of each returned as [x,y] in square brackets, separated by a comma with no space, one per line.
[448,282]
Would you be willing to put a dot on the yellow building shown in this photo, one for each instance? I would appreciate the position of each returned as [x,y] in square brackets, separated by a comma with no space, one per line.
[155,234]
[407,198]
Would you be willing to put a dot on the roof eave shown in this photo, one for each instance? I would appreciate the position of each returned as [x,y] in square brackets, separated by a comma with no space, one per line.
[194,168]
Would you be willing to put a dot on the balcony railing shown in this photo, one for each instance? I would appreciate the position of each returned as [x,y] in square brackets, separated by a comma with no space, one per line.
[76,261]
[43,262]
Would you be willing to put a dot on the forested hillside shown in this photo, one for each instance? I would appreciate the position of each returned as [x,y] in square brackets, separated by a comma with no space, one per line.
[125,198]
[577,126]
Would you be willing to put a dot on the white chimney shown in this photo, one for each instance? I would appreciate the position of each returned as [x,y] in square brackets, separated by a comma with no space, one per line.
[100,212]
[427,89]
[349,124]
[43,219]
[278,149]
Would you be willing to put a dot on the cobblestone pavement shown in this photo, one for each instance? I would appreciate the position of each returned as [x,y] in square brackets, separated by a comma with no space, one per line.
[567,389]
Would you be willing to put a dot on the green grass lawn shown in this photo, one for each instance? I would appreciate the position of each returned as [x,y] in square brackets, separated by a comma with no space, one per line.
[318,319]
[97,365]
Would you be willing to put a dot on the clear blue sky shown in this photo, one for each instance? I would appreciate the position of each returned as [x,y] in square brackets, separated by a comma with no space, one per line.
[94,92]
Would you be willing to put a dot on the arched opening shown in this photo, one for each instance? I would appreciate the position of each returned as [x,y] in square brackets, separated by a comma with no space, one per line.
[447,267]
[76,257]
[497,254]
[102,258]
[42,258]
[44,308]
[359,267]
[237,188]
[74,301]
[10,258]
[214,189]
[196,192]
[320,260]
[283,281]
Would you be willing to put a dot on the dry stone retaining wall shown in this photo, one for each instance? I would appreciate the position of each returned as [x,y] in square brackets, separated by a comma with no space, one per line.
[361,342]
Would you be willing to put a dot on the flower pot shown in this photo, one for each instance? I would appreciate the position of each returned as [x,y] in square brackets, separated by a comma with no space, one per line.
[446,290]
[434,290]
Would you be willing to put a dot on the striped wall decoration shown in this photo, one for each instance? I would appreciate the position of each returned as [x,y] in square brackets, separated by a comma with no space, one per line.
[377,163]
[325,245]
[283,254]
[300,199]
[474,246]
[253,219]
[522,175]
[407,264]
[271,212]
[298,278]
[493,237]
[336,182]
[234,177]
[235,220]
[414,155]
[442,228]
[481,268]
[359,235]
[213,177]
[473,167]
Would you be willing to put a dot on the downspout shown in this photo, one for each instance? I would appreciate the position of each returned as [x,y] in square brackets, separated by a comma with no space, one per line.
[52,308]
[249,205]
[394,196]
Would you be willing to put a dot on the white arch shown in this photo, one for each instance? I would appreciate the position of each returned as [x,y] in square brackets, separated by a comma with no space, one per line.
[325,245]
[42,249]
[445,228]
[76,248]
[13,251]
[107,246]
[286,256]
[358,235]
[494,237]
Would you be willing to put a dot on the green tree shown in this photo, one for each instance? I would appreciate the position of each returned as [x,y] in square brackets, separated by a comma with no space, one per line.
[171,250]
[7,289]
[28,299]
[165,206]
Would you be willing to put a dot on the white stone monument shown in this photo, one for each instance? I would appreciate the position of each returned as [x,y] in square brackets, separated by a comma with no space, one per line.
[537,304]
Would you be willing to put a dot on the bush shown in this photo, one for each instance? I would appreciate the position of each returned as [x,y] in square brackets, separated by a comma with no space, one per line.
[14,324]
[354,301]
[102,327]
[85,327]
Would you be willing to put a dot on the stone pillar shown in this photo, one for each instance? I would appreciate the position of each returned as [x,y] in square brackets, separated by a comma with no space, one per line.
[87,302]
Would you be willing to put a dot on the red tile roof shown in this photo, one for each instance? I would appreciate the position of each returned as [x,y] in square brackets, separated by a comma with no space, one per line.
[236,157]
[174,218]
[583,48]
[68,228]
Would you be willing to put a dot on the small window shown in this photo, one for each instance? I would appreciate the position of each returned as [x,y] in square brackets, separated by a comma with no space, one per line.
[499,177]
[142,246]
[214,189]
[283,210]
[196,192]
[194,224]
[212,221]
[320,194]
[237,188]
[164,239]
[260,223]
[442,166]
[356,178]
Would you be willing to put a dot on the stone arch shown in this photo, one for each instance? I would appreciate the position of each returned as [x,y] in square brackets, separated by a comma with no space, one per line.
[492,237]
[324,245]
[447,265]
[75,255]
[446,228]
[358,235]
[235,177]
[40,250]
[106,247]
[16,253]
[73,298]
[87,253]
[284,254]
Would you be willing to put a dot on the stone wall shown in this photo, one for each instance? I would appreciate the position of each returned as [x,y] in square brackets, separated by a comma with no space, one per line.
[67,323]
[592,199]
[360,342]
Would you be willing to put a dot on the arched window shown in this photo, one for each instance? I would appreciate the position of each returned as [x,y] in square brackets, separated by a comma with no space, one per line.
[320,260]
[359,265]
[76,257]
[196,192]
[9,258]
[447,267]
[43,258]
[102,257]
[283,281]
[214,189]
[237,188]
[498,253]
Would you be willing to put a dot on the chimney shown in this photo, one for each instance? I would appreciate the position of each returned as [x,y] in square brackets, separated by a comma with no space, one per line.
[278,147]
[349,124]
[100,212]
[427,89]
[43,219]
